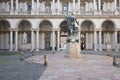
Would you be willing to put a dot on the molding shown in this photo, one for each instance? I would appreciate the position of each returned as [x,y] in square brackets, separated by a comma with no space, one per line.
[58,17]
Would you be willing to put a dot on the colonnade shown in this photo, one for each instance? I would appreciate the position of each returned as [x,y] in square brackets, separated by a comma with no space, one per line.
[36,43]
[76,6]
[97,40]
[35,39]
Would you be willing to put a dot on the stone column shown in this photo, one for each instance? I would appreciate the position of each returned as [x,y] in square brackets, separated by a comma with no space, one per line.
[115,5]
[78,6]
[58,6]
[99,6]
[116,44]
[100,41]
[43,40]
[32,40]
[37,7]
[95,41]
[53,40]
[53,7]
[11,40]
[58,40]
[32,5]
[16,7]
[37,37]
[86,40]
[11,12]
[16,40]
[32,12]
[94,3]
[119,6]
[6,40]
[95,7]
[11,5]
[74,7]
[2,40]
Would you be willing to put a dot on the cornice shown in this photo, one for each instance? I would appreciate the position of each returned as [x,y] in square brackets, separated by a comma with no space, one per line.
[57,17]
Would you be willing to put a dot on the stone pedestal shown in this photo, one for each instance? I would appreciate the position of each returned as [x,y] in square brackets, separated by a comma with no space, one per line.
[109,47]
[24,46]
[73,50]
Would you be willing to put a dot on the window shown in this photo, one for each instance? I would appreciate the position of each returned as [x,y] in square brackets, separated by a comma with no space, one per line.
[65,8]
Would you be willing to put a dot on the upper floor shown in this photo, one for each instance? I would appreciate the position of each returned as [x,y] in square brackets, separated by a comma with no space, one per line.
[60,7]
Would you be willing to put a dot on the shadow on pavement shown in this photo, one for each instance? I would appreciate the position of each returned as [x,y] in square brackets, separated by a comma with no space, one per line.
[11,68]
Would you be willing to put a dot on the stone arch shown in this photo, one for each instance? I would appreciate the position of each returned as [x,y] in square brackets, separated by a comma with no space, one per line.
[22,20]
[24,28]
[4,34]
[4,25]
[63,26]
[108,25]
[108,28]
[24,25]
[63,33]
[45,25]
[87,32]
[87,25]
[46,32]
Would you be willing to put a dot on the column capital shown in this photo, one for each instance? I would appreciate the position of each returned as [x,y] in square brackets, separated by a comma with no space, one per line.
[13,29]
[34,29]
[55,29]
[100,30]
[97,29]
[37,29]
[116,30]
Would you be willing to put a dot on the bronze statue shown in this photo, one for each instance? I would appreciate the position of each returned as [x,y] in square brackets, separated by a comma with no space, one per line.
[73,25]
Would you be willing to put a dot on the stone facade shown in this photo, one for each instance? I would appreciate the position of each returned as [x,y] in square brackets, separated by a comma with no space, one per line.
[45,25]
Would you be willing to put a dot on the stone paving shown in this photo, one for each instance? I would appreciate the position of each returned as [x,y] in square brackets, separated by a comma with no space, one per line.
[88,67]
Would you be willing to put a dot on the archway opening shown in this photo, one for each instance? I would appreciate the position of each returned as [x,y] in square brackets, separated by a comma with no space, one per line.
[4,34]
[87,35]
[108,29]
[63,34]
[45,34]
[24,29]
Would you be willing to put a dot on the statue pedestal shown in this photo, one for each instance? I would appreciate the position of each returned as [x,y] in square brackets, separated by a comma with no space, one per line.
[73,50]
[109,47]
[24,46]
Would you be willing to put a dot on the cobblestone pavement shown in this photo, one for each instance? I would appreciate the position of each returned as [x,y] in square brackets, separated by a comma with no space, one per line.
[88,67]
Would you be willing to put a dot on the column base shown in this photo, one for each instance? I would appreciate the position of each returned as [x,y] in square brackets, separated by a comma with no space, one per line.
[100,49]
[37,13]
[109,47]
[32,12]
[95,13]
[95,49]
[11,12]
[99,12]
[16,49]
[10,50]
[37,50]
[16,12]
[116,13]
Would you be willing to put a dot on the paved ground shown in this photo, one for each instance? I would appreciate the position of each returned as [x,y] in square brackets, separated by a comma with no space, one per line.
[88,67]
[91,66]
[11,68]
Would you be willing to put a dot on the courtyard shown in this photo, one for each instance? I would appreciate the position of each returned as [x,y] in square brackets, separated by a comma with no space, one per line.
[92,65]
